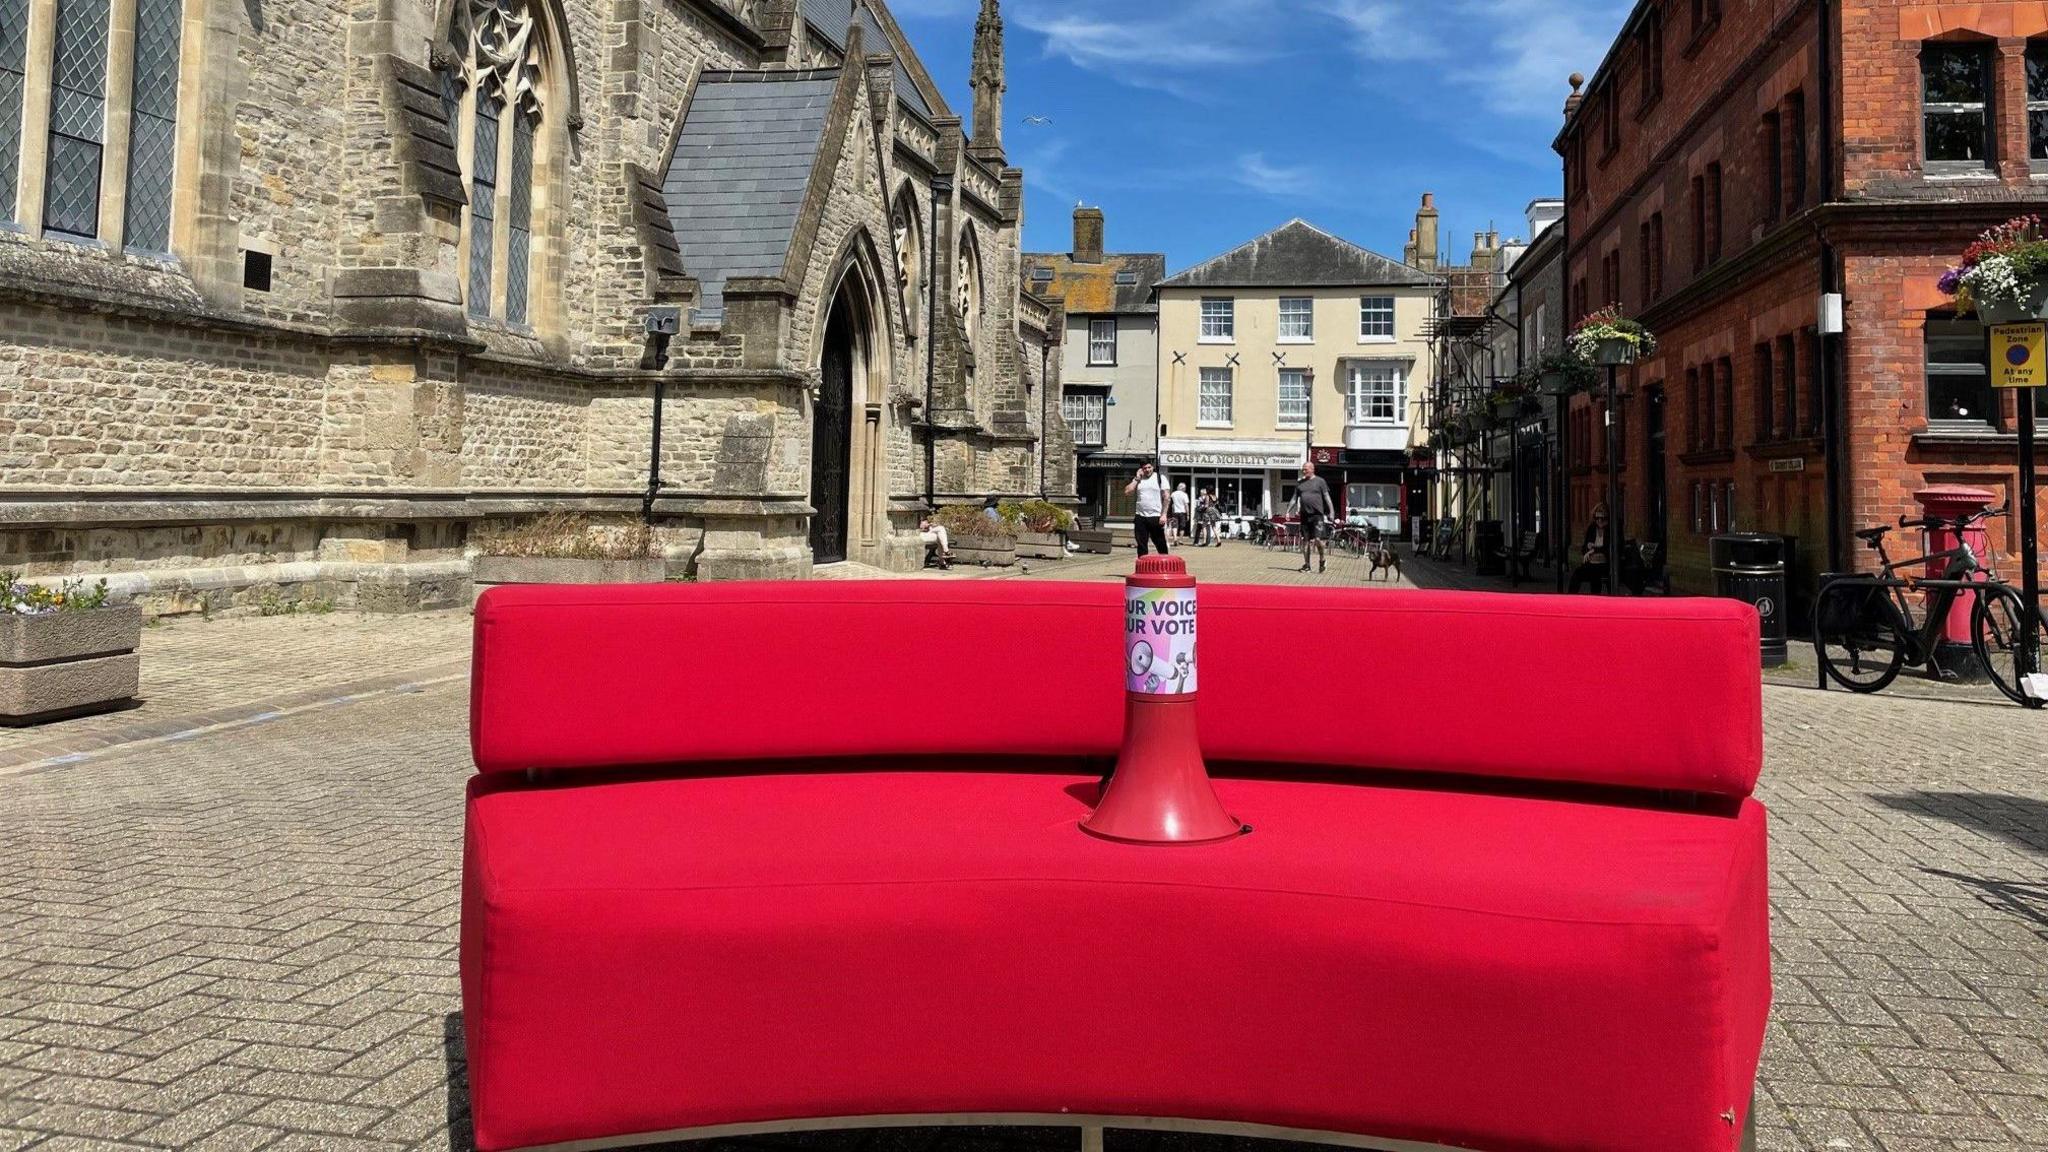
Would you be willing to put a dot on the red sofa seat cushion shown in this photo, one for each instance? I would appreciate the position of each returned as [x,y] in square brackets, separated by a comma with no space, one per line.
[1509,972]
[1646,694]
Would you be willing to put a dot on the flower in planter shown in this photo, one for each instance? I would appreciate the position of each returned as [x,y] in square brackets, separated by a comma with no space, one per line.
[1609,325]
[22,599]
[1563,373]
[2004,272]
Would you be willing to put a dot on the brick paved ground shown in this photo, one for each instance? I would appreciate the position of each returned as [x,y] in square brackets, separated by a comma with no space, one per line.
[245,938]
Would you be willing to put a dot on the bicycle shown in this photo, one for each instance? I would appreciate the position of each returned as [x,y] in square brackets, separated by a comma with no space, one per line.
[1864,630]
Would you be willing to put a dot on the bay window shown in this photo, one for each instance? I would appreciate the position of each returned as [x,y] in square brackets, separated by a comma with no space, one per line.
[1378,394]
[1087,417]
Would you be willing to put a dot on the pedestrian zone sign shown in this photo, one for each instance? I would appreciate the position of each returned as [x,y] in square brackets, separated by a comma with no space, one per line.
[2019,355]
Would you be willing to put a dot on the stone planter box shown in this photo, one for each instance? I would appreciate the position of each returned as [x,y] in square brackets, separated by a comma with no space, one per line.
[986,553]
[542,570]
[66,664]
[1093,541]
[1041,545]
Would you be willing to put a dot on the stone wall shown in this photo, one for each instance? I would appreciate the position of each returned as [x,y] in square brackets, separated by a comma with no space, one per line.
[338,434]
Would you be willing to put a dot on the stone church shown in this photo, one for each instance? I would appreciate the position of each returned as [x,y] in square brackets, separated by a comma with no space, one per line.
[297,294]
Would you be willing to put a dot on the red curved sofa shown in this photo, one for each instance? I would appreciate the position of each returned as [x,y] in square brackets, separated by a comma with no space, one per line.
[801,853]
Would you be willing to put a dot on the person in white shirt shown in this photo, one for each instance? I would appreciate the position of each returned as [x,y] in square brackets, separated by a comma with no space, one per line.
[1149,522]
[1178,530]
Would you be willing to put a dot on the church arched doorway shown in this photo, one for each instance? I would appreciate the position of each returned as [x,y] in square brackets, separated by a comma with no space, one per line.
[832,430]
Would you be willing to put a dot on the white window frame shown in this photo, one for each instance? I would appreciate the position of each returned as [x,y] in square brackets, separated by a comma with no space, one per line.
[1360,400]
[1219,320]
[1370,309]
[1303,321]
[1086,410]
[1206,412]
[1096,342]
[1281,402]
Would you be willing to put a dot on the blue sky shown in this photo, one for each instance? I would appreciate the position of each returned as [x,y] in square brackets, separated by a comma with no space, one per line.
[1198,124]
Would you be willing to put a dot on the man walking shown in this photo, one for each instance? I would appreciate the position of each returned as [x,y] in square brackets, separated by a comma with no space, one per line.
[1318,508]
[1180,513]
[1148,524]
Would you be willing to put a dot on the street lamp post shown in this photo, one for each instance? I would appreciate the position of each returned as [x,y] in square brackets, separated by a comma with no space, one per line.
[1613,491]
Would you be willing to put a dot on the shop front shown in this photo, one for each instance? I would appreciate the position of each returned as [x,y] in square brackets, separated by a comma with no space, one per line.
[1250,478]
[1372,485]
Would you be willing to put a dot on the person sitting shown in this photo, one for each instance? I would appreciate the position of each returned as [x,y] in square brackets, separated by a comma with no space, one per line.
[938,542]
[1592,569]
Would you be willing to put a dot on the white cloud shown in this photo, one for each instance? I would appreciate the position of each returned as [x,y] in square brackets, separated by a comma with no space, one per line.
[1166,47]
[933,9]
[1525,48]
[1255,172]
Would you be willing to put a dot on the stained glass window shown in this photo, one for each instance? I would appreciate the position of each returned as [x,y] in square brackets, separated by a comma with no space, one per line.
[153,125]
[483,206]
[519,218]
[13,66]
[78,119]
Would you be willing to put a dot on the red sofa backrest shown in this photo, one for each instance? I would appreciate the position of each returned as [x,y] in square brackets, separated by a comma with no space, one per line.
[1637,693]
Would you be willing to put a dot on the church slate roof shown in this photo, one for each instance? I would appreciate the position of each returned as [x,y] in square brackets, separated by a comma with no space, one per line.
[1299,255]
[831,17]
[742,164]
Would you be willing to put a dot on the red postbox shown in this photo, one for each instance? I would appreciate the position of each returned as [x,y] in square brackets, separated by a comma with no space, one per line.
[1950,502]
[1160,792]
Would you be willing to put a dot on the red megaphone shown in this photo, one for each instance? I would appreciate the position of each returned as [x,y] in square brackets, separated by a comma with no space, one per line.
[1160,792]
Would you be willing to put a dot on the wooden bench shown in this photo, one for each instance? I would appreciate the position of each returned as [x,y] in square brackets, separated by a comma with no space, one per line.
[1520,555]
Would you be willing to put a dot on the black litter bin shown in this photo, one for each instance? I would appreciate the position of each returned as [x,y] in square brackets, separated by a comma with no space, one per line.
[1750,567]
[1487,544]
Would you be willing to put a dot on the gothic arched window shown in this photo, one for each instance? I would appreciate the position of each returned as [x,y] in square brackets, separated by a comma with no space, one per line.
[95,160]
[910,277]
[497,109]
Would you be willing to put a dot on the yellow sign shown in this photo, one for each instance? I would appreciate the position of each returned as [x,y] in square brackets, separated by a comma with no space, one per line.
[2019,355]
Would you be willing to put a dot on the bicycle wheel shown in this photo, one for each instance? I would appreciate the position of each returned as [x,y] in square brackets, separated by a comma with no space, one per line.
[1997,626]
[1853,638]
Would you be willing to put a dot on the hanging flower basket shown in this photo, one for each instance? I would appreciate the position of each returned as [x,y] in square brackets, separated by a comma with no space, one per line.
[1563,373]
[1608,338]
[2003,277]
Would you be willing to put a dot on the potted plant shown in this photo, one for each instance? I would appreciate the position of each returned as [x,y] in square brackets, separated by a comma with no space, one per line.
[978,538]
[1509,397]
[1562,373]
[560,548]
[1042,528]
[2004,275]
[1608,338]
[65,651]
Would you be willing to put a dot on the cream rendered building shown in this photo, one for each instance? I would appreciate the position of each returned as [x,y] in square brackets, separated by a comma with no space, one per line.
[1296,328]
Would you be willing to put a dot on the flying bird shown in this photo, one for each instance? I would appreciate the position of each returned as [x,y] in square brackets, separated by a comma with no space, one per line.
[1038,119]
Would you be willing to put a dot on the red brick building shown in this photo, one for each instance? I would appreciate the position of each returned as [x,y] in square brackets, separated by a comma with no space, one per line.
[1730,163]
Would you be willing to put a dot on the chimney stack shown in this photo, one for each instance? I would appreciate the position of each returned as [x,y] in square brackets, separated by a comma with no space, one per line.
[1088,229]
[1426,247]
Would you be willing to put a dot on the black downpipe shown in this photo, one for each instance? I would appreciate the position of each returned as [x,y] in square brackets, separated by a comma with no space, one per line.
[659,358]
[940,187]
[1833,390]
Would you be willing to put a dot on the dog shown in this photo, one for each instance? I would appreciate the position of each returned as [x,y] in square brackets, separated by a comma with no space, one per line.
[1383,557]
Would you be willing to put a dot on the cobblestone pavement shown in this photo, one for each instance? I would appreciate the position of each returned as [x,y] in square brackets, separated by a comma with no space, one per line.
[199,674]
[244,938]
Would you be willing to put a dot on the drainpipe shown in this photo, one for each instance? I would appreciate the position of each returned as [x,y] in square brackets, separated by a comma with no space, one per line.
[1833,391]
[941,186]
[1044,416]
